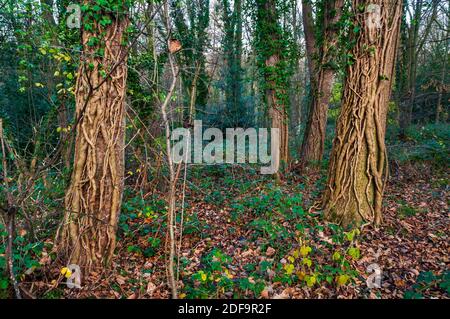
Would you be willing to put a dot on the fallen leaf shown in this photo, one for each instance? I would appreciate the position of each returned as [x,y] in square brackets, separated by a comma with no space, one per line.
[270,252]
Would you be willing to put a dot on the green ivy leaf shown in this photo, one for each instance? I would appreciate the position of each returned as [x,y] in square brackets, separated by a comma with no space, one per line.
[354,253]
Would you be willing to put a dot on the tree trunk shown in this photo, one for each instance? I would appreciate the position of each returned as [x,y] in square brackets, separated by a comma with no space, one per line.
[358,165]
[270,46]
[310,38]
[315,131]
[295,87]
[321,79]
[94,197]
[278,115]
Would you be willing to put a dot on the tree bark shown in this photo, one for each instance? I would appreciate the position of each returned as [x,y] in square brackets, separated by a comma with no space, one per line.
[358,165]
[315,131]
[310,38]
[94,197]
[321,78]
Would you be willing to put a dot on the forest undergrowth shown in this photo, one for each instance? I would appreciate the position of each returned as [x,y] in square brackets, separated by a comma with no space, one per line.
[243,236]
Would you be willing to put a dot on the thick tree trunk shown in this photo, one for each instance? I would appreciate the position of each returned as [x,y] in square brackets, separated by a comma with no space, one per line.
[321,79]
[94,197]
[358,164]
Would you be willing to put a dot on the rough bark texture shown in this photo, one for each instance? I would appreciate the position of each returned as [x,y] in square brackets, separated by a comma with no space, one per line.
[358,164]
[321,78]
[93,199]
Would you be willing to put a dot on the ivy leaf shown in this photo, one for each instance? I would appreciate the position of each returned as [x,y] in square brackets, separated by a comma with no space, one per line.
[289,269]
[310,280]
[354,253]
[4,283]
[307,261]
[336,256]
[305,250]
[342,279]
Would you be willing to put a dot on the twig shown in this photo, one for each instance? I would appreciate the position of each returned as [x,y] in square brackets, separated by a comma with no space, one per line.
[10,216]
[173,176]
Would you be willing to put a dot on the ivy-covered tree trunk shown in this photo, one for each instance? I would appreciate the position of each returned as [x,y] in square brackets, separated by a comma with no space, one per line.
[358,165]
[272,63]
[321,69]
[276,104]
[93,200]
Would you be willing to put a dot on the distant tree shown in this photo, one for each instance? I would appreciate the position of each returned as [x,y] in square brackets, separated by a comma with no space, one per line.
[232,49]
[272,62]
[191,20]
[321,53]
[417,19]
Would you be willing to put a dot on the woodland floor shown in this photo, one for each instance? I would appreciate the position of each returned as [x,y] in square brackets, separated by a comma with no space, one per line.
[411,246]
